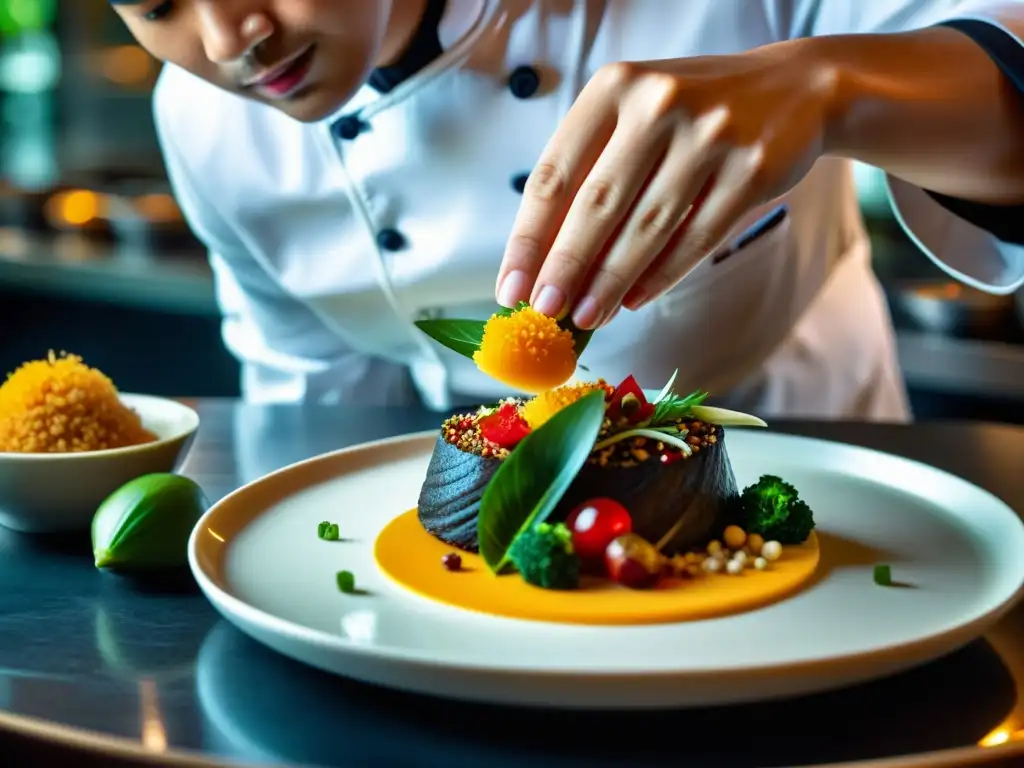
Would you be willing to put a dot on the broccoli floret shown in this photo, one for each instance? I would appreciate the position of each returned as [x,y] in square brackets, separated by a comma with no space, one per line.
[545,557]
[773,508]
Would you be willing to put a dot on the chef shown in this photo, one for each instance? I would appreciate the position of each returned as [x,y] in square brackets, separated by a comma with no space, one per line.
[355,165]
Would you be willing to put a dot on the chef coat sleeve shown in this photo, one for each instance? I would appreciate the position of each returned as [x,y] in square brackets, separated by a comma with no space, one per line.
[978,244]
[277,338]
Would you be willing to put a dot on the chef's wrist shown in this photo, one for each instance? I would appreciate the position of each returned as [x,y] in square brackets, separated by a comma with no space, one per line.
[817,74]
[890,92]
[835,68]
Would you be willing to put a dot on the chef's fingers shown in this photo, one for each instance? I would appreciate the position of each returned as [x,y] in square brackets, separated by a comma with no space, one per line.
[598,212]
[635,297]
[728,198]
[550,190]
[658,215]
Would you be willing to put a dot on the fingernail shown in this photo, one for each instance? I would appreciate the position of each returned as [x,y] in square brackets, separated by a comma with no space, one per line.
[549,301]
[587,314]
[513,289]
[635,300]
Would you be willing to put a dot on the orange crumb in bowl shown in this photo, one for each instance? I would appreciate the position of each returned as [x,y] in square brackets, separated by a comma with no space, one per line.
[545,405]
[526,350]
[60,405]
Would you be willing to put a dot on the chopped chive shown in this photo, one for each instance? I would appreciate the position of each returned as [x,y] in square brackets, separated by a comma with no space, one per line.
[883,575]
[346,582]
[328,531]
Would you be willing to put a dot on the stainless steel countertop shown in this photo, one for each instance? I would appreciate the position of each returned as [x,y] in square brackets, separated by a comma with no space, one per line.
[93,661]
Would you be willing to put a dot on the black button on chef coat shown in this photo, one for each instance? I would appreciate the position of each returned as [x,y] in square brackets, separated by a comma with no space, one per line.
[348,127]
[390,240]
[524,82]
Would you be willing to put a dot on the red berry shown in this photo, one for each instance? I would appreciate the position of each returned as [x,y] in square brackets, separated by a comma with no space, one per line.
[595,524]
[633,562]
[451,561]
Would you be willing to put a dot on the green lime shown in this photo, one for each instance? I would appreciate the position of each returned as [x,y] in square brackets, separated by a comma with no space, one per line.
[145,524]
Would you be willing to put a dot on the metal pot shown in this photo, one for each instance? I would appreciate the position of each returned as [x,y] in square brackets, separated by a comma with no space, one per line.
[951,308]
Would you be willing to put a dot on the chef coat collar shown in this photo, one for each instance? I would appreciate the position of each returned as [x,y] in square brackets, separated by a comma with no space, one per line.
[423,48]
[368,101]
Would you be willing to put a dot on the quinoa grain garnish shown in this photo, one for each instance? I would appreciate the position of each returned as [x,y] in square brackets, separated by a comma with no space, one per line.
[634,451]
[463,431]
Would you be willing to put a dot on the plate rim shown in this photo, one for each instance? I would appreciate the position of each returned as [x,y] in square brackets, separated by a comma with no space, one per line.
[235,609]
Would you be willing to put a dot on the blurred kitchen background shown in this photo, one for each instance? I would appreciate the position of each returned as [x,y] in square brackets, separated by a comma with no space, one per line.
[95,258]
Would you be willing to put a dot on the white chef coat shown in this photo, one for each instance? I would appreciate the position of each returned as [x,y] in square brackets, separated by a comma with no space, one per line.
[299,219]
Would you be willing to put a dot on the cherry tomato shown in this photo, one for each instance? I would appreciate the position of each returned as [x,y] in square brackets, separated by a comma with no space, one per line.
[595,524]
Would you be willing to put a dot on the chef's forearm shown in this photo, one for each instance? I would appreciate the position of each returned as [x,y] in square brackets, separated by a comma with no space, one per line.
[928,106]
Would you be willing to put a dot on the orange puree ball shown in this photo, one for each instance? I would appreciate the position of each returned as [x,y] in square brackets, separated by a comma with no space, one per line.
[526,350]
[545,405]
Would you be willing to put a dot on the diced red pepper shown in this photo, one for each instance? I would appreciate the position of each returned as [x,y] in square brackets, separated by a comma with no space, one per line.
[504,427]
[629,386]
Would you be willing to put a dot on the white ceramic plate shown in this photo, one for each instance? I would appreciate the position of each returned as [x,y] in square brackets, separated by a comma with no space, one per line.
[258,559]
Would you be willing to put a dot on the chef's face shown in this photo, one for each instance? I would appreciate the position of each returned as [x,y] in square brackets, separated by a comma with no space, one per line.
[304,57]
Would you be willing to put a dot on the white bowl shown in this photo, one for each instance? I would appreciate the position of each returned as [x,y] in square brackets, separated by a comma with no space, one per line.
[60,492]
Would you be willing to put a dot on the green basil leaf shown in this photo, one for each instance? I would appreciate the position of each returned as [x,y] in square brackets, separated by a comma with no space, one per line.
[580,338]
[532,480]
[462,336]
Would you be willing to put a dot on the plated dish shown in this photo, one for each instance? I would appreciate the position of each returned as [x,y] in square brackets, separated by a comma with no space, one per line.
[956,552]
[591,504]
[594,492]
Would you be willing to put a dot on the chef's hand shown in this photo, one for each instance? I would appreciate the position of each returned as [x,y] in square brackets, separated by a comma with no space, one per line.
[651,170]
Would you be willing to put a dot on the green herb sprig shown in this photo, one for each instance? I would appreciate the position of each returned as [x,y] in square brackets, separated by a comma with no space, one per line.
[346,582]
[672,407]
[328,531]
[882,575]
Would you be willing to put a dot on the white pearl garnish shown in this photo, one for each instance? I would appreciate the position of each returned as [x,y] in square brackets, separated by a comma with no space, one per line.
[771,550]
